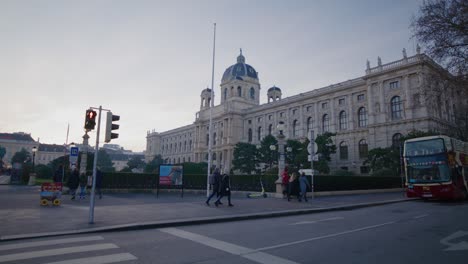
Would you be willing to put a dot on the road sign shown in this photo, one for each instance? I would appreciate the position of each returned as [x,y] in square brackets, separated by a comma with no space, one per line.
[74,155]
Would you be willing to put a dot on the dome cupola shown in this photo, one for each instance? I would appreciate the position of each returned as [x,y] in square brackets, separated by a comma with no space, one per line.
[239,71]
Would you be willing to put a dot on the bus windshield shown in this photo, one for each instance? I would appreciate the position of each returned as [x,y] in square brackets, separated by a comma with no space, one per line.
[425,147]
[428,173]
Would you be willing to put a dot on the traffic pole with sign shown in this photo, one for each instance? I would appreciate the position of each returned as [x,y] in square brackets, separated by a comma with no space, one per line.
[311,150]
[74,156]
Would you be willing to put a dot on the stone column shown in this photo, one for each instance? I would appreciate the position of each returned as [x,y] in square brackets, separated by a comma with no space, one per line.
[408,105]
[281,163]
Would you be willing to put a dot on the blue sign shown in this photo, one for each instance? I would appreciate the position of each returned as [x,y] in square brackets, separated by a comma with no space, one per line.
[74,152]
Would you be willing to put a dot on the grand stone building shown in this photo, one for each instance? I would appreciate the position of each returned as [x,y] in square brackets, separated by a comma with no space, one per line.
[373,110]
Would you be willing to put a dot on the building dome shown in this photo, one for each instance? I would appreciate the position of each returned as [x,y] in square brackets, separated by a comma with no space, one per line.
[274,88]
[239,71]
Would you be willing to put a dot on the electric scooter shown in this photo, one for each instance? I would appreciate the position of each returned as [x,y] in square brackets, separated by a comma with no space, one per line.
[258,195]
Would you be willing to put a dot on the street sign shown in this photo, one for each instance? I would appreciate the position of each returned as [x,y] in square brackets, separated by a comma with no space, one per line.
[74,155]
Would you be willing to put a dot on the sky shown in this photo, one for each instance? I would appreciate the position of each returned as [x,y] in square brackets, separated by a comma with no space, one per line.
[148,61]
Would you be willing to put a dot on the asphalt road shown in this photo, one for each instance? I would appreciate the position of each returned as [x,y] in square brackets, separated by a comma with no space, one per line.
[411,232]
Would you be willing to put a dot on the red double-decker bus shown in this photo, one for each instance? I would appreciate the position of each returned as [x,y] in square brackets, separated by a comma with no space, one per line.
[436,167]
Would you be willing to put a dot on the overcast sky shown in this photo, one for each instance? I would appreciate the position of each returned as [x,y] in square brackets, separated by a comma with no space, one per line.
[148,61]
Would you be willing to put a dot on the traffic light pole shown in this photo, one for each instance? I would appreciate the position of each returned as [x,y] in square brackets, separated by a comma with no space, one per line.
[93,188]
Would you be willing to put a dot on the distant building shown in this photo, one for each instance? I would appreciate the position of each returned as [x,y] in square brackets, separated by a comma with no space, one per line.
[119,156]
[15,142]
[373,110]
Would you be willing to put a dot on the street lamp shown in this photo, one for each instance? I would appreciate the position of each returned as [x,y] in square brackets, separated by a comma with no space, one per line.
[281,142]
[34,150]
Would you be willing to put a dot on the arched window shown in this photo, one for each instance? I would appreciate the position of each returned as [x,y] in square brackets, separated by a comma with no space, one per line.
[309,124]
[363,149]
[362,117]
[239,91]
[220,156]
[294,127]
[207,139]
[206,157]
[396,106]
[225,94]
[396,140]
[325,123]
[343,151]
[214,139]
[270,128]
[190,145]
[259,133]
[250,135]
[185,145]
[343,121]
[252,93]
[214,156]
[208,102]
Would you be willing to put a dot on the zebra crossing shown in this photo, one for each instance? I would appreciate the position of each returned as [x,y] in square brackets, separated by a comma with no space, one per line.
[72,250]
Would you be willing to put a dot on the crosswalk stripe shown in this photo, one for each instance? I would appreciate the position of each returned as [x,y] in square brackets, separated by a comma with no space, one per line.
[54,252]
[98,260]
[254,255]
[50,242]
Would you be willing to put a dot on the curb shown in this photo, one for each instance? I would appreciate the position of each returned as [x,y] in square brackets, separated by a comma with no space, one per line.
[199,220]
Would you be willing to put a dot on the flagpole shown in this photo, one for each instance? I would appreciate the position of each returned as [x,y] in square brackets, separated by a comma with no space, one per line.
[65,152]
[210,140]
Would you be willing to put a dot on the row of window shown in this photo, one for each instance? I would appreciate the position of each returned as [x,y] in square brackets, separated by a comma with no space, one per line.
[170,148]
[363,147]
[176,160]
[239,92]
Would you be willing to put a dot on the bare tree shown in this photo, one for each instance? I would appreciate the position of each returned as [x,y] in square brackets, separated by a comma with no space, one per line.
[442,28]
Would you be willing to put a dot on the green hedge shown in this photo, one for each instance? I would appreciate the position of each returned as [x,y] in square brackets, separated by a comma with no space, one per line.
[119,180]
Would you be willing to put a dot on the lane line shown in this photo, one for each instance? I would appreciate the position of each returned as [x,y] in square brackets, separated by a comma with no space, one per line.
[50,242]
[420,216]
[54,252]
[326,236]
[317,221]
[248,253]
[99,260]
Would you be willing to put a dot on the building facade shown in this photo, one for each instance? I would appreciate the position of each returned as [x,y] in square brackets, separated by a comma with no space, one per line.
[374,110]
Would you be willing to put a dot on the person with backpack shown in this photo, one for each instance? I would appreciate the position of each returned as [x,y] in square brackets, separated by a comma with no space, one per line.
[224,190]
[214,180]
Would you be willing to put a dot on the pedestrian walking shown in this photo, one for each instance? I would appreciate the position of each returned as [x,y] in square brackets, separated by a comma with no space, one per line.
[214,181]
[83,183]
[99,182]
[224,190]
[293,186]
[285,181]
[304,183]
[58,174]
[73,182]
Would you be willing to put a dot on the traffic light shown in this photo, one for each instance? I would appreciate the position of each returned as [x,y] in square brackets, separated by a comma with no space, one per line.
[110,126]
[90,120]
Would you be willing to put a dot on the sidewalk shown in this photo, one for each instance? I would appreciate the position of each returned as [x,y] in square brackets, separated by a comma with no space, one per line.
[23,217]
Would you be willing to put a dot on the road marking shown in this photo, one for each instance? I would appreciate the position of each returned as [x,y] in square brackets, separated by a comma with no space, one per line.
[453,246]
[420,216]
[326,236]
[54,252]
[248,253]
[50,242]
[99,260]
[317,221]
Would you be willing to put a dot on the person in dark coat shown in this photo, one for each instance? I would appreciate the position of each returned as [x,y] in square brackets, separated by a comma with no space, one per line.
[224,190]
[293,187]
[99,182]
[83,183]
[58,174]
[215,180]
[73,182]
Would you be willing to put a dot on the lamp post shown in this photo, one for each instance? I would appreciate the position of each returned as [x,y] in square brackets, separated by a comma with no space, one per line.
[258,147]
[34,150]
[272,148]
[32,175]
[281,164]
